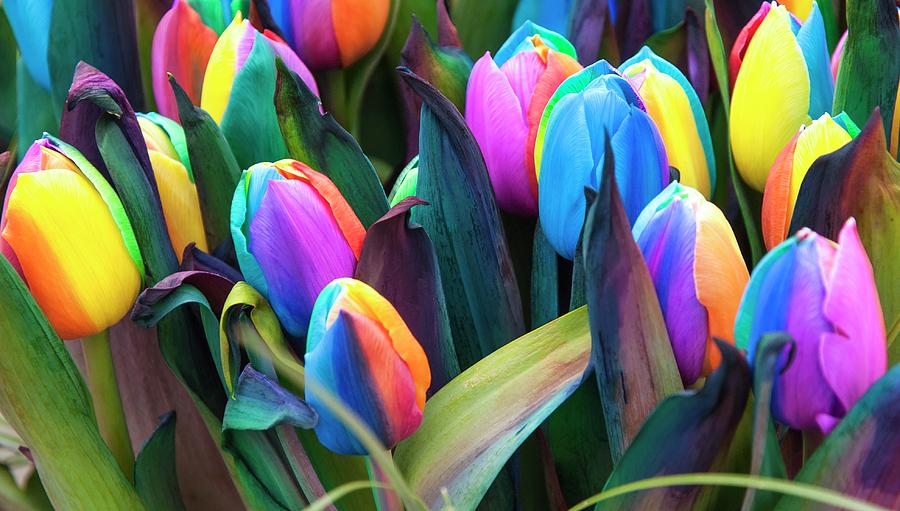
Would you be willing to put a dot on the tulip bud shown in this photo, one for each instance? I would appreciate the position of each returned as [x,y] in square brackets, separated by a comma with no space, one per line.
[293,234]
[182,45]
[823,294]
[360,350]
[504,106]
[570,149]
[781,79]
[823,136]
[66,232]
[331,33]
[675,108]
[698,272]
[174,180]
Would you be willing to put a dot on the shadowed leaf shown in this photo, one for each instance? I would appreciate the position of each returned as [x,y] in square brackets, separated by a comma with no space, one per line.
[261,403]
[155,478]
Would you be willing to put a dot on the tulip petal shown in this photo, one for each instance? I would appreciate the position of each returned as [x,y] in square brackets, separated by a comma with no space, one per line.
[354,32]
[71,252]
[777,199]
[180,203]
[298,257]
[811,39]
[318,48]
[520,40]
[356,359]
[30,22]
[771,98]
[182,45]
[642,171]
[742,41]
[221,69]
[260,403]
[823,136]
[292,61]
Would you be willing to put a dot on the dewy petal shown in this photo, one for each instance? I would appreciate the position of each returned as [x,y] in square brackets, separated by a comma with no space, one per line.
[182,45]
[823,136]
[811,39]
[358,25]
[221,70]
[856,355]
[72,254]
[180,203]
[777,199]
[357,364]
[300,249]
[667,243]
[497,120]
[771,98]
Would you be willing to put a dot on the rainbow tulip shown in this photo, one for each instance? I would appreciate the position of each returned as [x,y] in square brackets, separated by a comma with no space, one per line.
[65,231]
[182,45]
[570,149]
[361,352]
[676,109]
[823,136]
[823,294]
[505,99]
[174,180]
[331,33]
[293,233]
[698,272]
[216,14]
[781,78]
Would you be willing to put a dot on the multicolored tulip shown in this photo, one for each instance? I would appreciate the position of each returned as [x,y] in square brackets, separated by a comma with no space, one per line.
[360,350]
[676,109]
[823,294]
[823,136]
[781,79]
[505,99]
[65,231]
[174,180]
[293,233]
[569,151]
[182,45]
[698,272]
[227,62]
[331,33]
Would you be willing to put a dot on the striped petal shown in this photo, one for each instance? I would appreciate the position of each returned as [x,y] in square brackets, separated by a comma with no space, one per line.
[182,45]
[180,203]
[72,254]
[358,25]
[771,98]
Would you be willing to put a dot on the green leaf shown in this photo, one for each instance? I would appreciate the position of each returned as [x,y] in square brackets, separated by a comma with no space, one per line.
[36,112]
[869,71]
[13,498]
[631,355]
[44,398]
[319,141]
[425,12]
[260,404]
[464,223]
[155,477]
[545,305]
[216,171]
[861,456]
[7,81]
[476,34]
[476,422]
[684,434]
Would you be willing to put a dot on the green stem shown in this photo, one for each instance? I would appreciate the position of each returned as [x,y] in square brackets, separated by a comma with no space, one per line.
[101,375]
[333,88]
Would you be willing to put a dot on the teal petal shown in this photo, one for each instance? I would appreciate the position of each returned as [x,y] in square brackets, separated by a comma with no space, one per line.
[811,39]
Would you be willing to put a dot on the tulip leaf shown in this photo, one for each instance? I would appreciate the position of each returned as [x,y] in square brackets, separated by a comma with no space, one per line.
[409,13]
[261,403]
[861,456]
[317,140]
[464,223]
[398,260]
[42,114]
[7,81]
[869,70]
[476,422]
[749,202]
[684,434]
[631,355]
[155,477]
[476,35]
[766,453]
[216,171]
[13,498]
[45,400]
[101,32]
[860,180]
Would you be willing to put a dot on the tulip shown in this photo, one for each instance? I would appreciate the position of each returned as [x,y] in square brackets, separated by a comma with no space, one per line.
[293,234]
[505,99]
[362,353]
[823,294]
[329,34]
[823,136]
[570,149]
[216,14]
[406,183]
[182,45]
[65,231]
[698,272]
[174,180]
[781,79]
[676,109]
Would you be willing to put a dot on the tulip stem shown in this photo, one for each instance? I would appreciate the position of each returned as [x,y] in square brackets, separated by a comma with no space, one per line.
[101,376]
